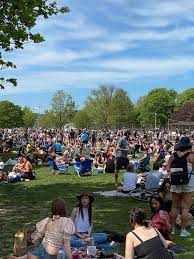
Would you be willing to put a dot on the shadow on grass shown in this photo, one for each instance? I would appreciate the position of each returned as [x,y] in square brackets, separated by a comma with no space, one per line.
[22,205]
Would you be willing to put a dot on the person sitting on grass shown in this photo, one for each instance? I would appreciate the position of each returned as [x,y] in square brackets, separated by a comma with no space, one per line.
[24,168]
[3,175]
[145,241]
[55,230]
[129,180]
[82,216]
[166,194]
[160,218]
[100,162]
[19,165]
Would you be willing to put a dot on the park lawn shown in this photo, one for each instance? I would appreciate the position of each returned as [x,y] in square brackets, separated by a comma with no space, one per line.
[24,204]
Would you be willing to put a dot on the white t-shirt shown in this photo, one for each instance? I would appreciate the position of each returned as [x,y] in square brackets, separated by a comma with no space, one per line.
[129,181]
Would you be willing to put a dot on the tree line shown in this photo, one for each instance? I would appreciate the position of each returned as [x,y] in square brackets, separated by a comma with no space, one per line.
[107,106]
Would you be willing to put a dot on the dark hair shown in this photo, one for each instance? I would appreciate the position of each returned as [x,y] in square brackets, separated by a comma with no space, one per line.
[130,167]
[138,216]
[158,198]
[156,166]
[28,158]
[162,188]
[89,207]
[58,207]
[126,133]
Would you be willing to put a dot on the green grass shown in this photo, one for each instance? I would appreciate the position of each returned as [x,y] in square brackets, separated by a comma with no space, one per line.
[24,204]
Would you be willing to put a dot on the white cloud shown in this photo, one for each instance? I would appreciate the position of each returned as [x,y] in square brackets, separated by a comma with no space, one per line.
[151,67]
[113,45]
[112,71]
[180,34]
[83,46]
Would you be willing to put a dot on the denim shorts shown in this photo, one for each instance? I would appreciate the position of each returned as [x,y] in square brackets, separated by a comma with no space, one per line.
[41,252]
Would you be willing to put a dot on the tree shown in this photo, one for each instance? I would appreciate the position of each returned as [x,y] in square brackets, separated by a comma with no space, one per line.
[62,108]
[82,119]
[46,120]
[185,96]
[184,113]
[137,109]
[121,109]
[17,20]
[28,117]
[99,104]
[159,101]
[109,106]
[11,115]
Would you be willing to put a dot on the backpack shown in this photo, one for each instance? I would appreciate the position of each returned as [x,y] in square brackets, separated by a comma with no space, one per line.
[179,170]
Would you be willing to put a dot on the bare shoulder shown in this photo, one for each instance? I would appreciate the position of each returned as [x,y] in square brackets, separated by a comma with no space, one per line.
[75,210]
[130,236]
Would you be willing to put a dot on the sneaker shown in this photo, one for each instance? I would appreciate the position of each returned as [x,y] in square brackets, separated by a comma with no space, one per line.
[173,231]
[184,233]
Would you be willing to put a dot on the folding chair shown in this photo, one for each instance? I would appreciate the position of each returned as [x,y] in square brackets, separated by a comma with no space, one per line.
[84,167]
[60,168]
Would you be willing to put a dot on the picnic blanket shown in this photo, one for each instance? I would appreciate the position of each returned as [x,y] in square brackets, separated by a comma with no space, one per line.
[112,193]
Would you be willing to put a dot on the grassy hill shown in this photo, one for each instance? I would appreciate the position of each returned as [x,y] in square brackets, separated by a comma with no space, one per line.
[24,204]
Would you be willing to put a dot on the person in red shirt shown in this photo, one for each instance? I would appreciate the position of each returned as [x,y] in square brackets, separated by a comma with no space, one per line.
[160,218]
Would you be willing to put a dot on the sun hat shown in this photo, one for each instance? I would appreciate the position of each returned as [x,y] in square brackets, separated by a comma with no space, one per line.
[2,164]
[88,194]
[185,143]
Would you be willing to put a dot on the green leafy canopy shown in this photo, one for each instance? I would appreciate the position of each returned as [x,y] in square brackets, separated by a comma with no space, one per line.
[17,19]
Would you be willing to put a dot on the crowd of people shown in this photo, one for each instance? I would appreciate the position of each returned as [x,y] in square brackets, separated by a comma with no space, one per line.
[110,151]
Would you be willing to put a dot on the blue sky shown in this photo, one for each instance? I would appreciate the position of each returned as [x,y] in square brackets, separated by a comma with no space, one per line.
[134,44]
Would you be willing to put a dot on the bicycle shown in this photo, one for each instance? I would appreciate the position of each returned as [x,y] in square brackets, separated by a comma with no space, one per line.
[141,193]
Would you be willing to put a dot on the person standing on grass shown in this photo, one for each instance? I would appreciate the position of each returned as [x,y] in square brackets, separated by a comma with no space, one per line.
[122,160]
[182,194]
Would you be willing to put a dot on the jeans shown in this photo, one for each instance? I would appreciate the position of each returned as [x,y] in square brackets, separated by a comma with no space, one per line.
[99,238]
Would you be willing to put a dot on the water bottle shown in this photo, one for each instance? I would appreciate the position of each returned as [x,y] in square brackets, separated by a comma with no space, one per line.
[91,248]
[61,254]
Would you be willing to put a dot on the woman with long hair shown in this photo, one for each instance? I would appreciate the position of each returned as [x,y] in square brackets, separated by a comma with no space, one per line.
[82,216]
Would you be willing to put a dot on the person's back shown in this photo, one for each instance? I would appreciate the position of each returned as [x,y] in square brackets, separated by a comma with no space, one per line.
[85,137]
[57,229]
[153,178]
[129,181]
[58,148]
[144,241]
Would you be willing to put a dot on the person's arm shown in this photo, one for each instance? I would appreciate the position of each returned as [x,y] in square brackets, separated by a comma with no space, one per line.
[162,238]
[27,168]
[118,147]
[129,247]
[74,213]
[168,167]
[67,248]
[141,159]
[166,220]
